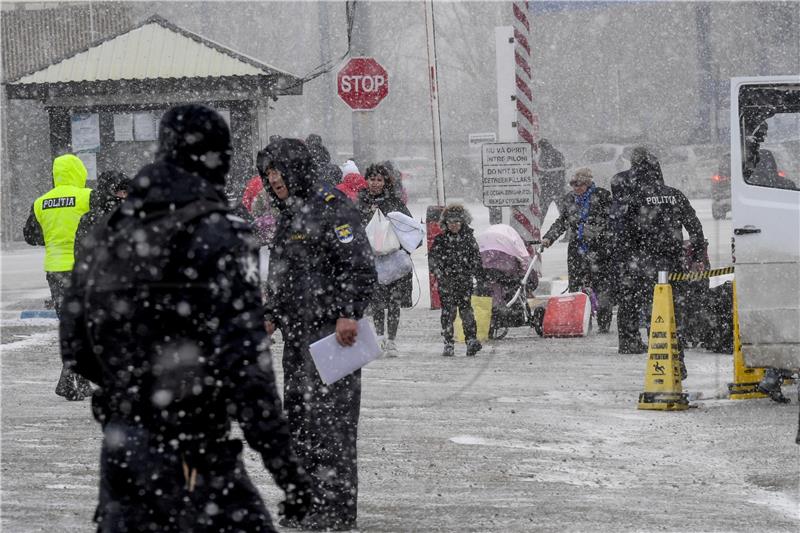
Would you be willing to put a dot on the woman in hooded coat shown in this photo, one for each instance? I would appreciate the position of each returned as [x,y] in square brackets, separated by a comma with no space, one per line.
[386,299]
[112,189]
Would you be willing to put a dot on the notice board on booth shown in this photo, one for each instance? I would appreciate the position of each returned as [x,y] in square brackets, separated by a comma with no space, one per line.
[507,174]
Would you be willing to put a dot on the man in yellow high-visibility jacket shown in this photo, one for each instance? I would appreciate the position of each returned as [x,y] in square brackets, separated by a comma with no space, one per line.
[53,222]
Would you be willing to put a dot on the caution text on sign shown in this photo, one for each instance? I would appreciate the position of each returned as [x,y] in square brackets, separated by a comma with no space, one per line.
[507,174]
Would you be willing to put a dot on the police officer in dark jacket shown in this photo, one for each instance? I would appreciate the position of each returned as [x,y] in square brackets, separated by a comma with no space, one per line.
[165,315]
[585,214]
[327,171]
[654,223]
[320,281]
[623,188]
[622,285]
[112,189]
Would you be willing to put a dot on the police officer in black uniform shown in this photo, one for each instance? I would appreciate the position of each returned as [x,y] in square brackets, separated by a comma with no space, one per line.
[626,287]
[320,281]
[653,225]
[164,314]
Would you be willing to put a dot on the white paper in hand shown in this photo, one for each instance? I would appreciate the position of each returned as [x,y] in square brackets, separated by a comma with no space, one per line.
[334,361]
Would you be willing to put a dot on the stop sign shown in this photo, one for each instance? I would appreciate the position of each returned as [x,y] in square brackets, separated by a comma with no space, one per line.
[362,83]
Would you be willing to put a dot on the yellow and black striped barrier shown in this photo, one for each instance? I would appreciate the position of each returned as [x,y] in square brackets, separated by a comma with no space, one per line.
[696,276]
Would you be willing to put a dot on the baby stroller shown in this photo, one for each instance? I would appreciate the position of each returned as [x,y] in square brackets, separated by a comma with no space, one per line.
[505,260]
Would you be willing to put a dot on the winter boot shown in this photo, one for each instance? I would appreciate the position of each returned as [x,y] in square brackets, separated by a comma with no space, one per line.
[771,385]
[389,348]
[448,350]
[473,347]
[632,347]
[382,344]
[68,385]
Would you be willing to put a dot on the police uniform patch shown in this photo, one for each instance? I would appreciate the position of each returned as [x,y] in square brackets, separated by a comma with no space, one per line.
[344,233]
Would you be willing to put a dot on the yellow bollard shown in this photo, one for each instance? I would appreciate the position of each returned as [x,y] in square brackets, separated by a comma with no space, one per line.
[745,379]
[662,381]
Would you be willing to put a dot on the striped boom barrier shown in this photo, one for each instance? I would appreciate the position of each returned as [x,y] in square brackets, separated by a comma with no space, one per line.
[696,276]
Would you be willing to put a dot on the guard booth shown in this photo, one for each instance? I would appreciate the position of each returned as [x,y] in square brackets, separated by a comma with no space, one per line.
[104,103]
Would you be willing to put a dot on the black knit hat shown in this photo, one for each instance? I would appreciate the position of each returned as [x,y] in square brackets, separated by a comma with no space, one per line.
[197,139]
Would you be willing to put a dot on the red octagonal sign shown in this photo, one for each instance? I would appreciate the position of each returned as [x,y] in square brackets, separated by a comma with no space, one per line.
[362,83]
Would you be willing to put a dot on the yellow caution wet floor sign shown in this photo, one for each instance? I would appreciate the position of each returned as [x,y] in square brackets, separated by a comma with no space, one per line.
[745,380]
[662,382]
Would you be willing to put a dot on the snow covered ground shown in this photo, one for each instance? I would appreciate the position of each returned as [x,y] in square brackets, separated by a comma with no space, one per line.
[532,435]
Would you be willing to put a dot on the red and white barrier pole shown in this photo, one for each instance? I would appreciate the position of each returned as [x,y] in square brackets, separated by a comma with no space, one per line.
[527,220]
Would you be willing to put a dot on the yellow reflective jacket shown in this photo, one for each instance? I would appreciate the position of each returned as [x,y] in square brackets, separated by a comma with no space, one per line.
[59,211]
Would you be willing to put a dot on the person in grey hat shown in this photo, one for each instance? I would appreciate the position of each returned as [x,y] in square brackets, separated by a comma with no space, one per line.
[584,213]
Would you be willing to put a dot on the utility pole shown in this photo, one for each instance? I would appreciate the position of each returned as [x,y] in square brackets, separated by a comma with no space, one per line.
[327,100]
[705,81]
[364,150]
[433,75]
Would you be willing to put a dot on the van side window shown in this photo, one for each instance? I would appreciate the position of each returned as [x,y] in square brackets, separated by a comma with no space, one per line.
[770,146]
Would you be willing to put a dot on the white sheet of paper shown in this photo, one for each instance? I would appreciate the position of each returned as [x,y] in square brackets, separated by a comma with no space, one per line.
[123,127]
[335,361]
[85,132]
[90,162]
[144,126]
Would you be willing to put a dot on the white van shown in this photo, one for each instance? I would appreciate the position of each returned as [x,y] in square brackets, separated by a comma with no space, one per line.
[765,118]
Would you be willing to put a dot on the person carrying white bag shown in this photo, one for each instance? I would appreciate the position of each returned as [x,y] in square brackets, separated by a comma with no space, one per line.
[392,258]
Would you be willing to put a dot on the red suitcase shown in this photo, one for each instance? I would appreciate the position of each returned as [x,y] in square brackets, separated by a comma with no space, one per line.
[567,315]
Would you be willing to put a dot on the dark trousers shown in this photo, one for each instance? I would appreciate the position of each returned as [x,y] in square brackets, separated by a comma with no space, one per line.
[460,301]
[143,487]
[70,385]
[391,311]
[323,420]
[58,282]
[588,270]
[632,297]
[636,304]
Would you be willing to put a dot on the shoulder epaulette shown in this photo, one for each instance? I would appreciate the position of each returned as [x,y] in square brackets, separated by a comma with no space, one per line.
[325,191]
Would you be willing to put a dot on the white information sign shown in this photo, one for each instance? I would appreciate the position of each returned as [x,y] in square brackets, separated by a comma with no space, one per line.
[90,162]
[85,132]
[123,126]
[226,116]
[144,126]
[476,140]
[507,174]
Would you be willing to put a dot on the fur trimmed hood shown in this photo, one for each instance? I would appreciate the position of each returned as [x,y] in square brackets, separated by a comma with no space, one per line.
[455,212]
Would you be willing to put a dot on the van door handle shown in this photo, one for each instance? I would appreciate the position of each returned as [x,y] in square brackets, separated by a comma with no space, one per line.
[745,230]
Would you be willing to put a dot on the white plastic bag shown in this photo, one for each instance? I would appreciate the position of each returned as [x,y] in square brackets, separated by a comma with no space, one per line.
[393,266]
[381,235]
[409,232]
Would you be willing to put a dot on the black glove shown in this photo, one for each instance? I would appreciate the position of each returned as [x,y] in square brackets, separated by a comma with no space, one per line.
[298,500]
